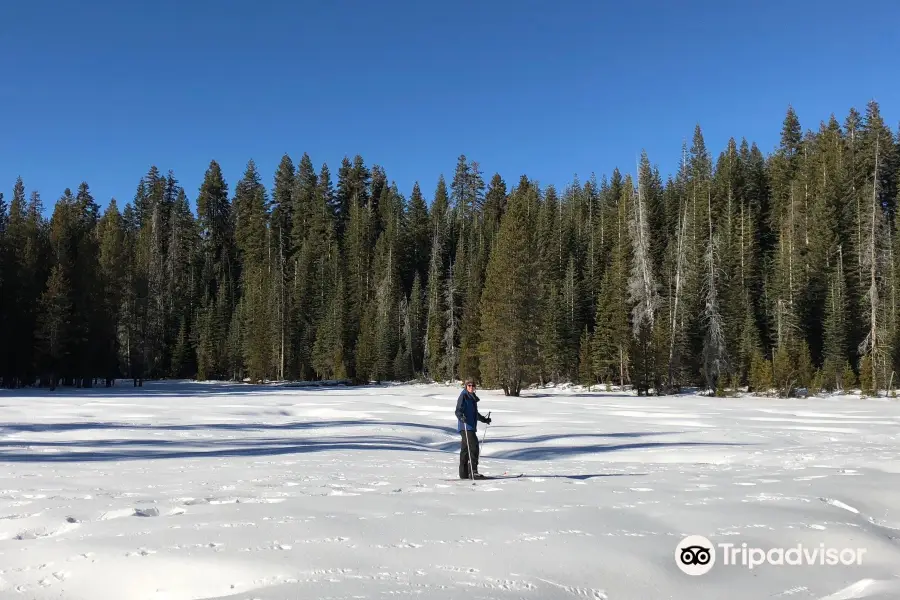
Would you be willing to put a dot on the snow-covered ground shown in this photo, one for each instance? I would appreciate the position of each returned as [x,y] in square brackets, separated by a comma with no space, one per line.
[179,491]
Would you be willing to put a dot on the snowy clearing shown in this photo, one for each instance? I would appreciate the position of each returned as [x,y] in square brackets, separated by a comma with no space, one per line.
[183,491]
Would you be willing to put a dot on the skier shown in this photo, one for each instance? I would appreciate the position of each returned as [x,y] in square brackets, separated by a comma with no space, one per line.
[467,416]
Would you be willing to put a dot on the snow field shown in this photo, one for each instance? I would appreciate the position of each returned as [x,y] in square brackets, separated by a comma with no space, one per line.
[184,491]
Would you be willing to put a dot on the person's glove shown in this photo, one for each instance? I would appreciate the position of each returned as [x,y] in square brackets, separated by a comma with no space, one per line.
[487,420]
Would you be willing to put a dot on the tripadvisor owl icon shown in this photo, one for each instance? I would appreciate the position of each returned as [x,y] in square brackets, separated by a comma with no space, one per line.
[695,555]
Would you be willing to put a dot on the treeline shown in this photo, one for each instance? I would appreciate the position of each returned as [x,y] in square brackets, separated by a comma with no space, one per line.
[774,272]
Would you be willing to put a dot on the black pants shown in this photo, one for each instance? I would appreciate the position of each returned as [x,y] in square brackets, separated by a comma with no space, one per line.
[468,450]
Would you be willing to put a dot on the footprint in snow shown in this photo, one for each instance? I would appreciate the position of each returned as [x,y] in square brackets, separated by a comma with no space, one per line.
[193,501]
[839,504]
[16,516]
[84,556]
[116,514]
[33,534]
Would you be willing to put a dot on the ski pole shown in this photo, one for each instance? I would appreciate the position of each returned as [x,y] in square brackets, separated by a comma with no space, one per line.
[486,425]
[483,437]
[469,448]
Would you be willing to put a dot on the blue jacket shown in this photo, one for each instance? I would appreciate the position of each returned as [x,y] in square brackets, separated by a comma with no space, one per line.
[467,415]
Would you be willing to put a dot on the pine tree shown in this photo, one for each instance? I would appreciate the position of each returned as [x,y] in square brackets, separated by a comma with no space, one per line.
[180,351]
[510,302]
[56,321]
[282,226]
[305,204]
[358,245]
[875,347]
[251,237]
[417,315]
[154,195]
[16,302]
[113,264]
[575,307]
[218,272]
[317,245]
[470,330]
[388,327]
[643,290]
[328,351]
[585,364]
[419,234]
[612,335]
[352,190]
[449,343]
[435,324]
[835,329]
[494,208]
[551,341]
[715,358]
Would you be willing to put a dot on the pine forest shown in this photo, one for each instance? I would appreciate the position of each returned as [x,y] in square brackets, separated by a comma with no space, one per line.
[767,272]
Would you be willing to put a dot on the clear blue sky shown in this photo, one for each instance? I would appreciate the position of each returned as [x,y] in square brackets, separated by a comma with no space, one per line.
[101,90]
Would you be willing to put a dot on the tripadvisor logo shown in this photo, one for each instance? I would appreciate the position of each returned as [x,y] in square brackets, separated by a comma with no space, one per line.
[696,555]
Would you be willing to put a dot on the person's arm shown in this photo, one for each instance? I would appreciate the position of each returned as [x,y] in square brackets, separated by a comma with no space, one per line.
[459,408]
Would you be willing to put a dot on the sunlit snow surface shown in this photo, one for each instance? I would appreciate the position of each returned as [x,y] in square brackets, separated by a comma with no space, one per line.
[179,491]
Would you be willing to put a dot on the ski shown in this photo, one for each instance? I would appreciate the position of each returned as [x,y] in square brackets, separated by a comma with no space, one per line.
[489,478]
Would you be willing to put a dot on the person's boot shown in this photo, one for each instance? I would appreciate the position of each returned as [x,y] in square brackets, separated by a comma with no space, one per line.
[479,476]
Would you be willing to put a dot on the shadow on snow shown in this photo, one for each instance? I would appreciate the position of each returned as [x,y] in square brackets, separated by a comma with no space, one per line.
[23,451]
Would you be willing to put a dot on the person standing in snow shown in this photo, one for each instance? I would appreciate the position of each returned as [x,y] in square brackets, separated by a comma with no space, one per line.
[467,417]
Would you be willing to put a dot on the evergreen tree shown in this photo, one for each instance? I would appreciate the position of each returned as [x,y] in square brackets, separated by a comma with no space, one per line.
[56,321]
[419,234]
[317,245]
[218,273]
[282,218]
[16,300]
[510,302]
[417,315]
[552,338]
[328,352]
[643,290]
[251,237]
[434,332]
[114,277]
[358,245]
[585,363]
[611,339]
[494,208]
[435,303]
